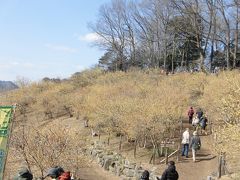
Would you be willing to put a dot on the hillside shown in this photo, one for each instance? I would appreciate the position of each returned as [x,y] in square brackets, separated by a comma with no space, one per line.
[7,85]
[133,112]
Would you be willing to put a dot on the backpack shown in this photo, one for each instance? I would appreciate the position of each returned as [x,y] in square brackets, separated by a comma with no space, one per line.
[196,143]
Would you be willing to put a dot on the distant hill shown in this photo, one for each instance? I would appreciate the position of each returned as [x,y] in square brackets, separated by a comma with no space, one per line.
[7,85]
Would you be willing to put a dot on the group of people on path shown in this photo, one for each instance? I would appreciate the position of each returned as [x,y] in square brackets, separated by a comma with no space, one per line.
[194,142]
[56,173]
[198,121]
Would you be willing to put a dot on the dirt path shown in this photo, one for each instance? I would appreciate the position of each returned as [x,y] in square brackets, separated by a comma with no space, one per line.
[95,172]
[205,165]
[206,161]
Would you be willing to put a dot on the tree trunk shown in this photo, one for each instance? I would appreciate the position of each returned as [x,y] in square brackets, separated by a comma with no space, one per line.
[211,56]
[173,55]
[182,61]
[236,42]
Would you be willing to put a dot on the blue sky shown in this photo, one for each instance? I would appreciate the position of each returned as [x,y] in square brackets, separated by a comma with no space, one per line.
[46,38]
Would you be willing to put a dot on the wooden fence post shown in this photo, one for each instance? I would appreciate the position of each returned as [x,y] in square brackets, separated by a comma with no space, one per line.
[178,154]
[135,149]
[221,169]
[219,166]
[120,143]
[108,139]
[161,150]
[154,155]
[166,155]
[180,139]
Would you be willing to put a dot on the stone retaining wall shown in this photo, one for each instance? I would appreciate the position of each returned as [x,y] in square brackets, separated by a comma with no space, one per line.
[116,163]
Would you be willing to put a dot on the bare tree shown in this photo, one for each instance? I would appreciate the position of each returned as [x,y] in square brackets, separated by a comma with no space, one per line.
[169,34]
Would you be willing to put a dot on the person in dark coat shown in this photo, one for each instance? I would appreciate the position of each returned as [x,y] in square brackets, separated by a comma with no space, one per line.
[195,144]
[170,173]
[199,113]
[24,174]
[55,172]
[145,175]
[203,124]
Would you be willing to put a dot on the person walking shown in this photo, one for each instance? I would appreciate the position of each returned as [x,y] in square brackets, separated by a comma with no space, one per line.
[195,123]
[190,115]
[170,173]
[55,172]
[185,142]
[199,113]
[203,124]
[195,144]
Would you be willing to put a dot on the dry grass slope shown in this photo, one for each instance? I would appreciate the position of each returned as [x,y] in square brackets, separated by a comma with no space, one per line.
[140,105]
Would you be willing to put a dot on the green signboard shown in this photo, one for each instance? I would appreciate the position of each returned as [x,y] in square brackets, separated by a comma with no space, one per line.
[5,121]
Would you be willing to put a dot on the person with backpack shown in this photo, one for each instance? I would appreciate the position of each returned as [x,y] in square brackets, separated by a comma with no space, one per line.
[203,124]
[195,122]
[199,113]
[190,115]
[170,173]
[57,173]
[185,142]
[24,174]
[195,144]
[145,175]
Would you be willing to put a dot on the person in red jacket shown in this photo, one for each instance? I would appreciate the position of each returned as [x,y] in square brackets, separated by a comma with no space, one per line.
[190,115]
[65,176]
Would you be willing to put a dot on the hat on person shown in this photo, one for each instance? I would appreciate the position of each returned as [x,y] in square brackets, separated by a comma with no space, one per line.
[24,174]
[195,133]
[55,172]
[145,174]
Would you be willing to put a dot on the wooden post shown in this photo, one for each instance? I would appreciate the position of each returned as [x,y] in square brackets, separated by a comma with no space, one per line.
[145,141]
[150,161]
[220,166]
[154,155]
[158,151]
[135,149]
[108,140]
[178,155]
[161,151]
[180,139]
[120,143]
[166,155]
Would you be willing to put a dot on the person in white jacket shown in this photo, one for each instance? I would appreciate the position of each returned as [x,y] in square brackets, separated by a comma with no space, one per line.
[185,142]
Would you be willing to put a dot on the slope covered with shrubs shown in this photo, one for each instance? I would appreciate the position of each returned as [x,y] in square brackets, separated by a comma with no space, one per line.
[143,106]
